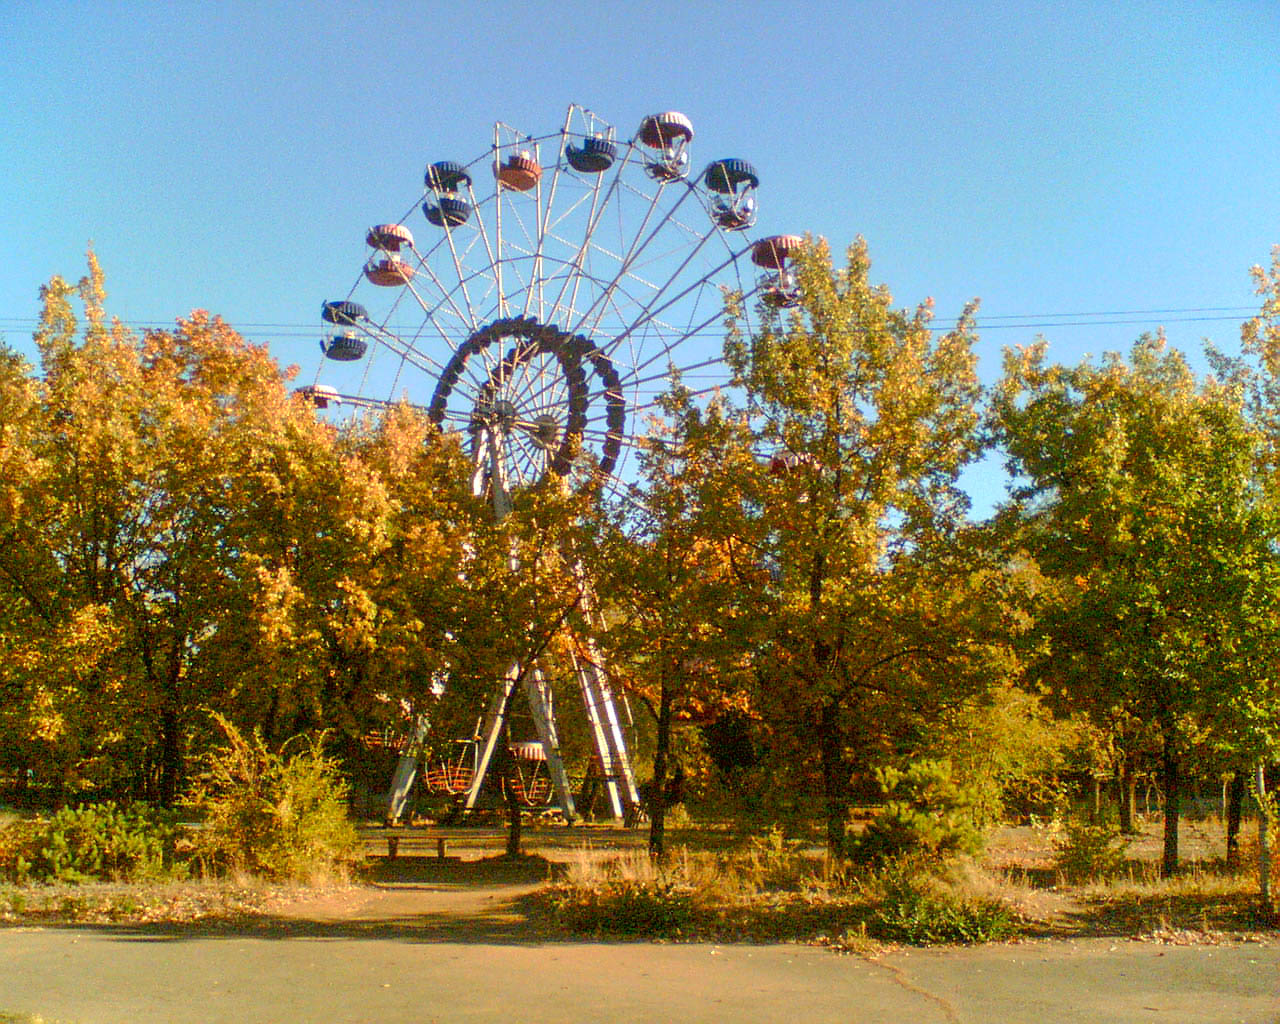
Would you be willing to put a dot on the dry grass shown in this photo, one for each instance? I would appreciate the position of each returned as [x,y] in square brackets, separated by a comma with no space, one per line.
[1203,898]
[771,887]
[770,864]
[768,891]
[172,903]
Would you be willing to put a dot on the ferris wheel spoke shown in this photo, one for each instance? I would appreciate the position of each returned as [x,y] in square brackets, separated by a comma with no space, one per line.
[413,346]
[644,376]
[536,460]
[650,315]
[664,297]
[654,399]
[451,422]
[638,246]
[464,312]
[600,204]
[470,318]
[538,391]
[492,257]
[387,340]
[542,237]
[519,381]
[522,460]
[363,402]
[599,286]
[564,269]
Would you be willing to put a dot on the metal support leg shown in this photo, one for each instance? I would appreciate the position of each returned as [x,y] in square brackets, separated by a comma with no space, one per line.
[611,746]
[544,721]
[406,771]
[491,735]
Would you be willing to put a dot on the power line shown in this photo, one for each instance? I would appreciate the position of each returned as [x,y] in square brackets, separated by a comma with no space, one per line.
[1006,321]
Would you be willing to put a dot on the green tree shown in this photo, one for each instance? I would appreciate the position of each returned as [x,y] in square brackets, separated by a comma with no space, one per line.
[873,613]
[1137,498]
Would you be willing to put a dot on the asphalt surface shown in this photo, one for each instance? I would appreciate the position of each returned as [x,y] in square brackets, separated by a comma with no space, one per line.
[345,972]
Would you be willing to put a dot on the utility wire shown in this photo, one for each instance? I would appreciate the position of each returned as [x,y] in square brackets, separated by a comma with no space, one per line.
[1007,321]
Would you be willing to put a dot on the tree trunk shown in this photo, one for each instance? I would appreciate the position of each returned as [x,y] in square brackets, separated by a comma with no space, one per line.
[1265,895]
[1170,783]
[170,757]
[22,785]
[514,823]
[1235,808]
[506,771]
[658,790]
[1264,846]
[502,768]
[1127,791]
[835,779]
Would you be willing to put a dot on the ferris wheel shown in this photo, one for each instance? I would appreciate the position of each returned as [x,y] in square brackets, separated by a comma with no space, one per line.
[536,300]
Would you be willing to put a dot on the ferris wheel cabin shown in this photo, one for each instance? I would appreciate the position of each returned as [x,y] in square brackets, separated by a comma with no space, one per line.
[778,287]
[446,207]
[341,342]
[668,135]
[386,266]
[735,181]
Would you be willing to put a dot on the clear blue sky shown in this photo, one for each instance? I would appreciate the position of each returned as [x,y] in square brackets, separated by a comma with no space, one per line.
[1049,158]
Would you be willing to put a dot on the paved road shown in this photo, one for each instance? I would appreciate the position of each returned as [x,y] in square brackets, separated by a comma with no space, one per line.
[349,972]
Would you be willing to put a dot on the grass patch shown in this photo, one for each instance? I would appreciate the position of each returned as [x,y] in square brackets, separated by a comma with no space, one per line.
[1206,899]
[627,908]
[770,891]
[108,903]
[1125,896]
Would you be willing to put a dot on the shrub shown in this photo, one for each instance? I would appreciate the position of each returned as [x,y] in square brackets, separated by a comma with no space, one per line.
[919,910]
[626,907]
[926,813]
[280,815]
[1089,852]
[105,842]
[17,846]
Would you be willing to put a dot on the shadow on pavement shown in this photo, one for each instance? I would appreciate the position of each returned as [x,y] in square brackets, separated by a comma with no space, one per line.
[453,871]
[507,924]
[410,898]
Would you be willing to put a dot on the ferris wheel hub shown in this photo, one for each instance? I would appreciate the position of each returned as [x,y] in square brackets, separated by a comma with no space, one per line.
[545,431]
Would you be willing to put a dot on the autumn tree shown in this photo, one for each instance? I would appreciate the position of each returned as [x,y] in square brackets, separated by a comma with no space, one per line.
[44,650]
[130,534]
[675,582]
[1137,497]
[865,416]
[1257,709]
[356,544]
